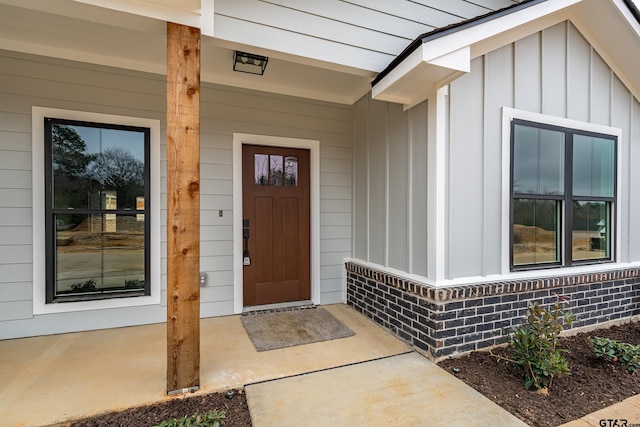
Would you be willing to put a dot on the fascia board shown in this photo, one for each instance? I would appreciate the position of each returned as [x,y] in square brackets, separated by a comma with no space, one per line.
[403,69]
[459,60]
[411,82]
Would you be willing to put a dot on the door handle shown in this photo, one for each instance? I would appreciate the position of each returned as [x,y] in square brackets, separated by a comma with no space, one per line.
[246,259]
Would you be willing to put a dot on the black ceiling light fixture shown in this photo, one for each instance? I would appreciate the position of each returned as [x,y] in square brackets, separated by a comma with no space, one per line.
[244,62]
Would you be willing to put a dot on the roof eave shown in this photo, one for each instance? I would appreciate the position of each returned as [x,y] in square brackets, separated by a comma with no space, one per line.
[436,58]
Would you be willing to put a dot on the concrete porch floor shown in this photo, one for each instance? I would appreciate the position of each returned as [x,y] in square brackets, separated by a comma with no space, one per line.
[50,379]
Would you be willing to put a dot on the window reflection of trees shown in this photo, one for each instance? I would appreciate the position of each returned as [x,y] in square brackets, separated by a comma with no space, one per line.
[276,170]
[90,178]
[77,173]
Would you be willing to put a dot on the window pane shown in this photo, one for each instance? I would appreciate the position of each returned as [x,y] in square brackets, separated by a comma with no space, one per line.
[536,231]
[99,253]
[87,161]
[276,170]
[538,161]
[593,166]
[261,168]
[70,163]
[291,171]
[591,237]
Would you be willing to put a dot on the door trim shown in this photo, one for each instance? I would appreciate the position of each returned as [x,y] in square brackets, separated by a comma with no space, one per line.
[314,161]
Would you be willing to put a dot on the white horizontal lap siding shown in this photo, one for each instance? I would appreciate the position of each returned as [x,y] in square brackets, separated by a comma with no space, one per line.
[555,73]
[435,14]
[365,34]
[216,232]
[295,30]
[27,81]
[299,21]
[15,210]
[360,16]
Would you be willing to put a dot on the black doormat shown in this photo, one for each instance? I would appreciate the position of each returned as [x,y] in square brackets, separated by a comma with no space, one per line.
[270,331]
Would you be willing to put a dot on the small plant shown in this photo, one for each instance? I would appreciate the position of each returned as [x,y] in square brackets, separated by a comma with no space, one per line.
[613,351]
[536,345]
[134,284]
[213,418]
[86,286]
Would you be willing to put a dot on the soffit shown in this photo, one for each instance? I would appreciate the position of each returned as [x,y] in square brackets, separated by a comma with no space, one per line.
[304,61]
[84,32]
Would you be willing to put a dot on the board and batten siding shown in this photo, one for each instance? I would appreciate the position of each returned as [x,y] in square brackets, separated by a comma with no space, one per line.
[390,185]
[28,80]
[365,34]
[554,72]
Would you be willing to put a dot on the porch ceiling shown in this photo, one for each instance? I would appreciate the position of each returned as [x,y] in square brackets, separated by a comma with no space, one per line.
[82,31]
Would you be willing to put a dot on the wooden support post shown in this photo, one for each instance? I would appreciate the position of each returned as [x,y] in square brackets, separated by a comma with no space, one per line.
[183,208]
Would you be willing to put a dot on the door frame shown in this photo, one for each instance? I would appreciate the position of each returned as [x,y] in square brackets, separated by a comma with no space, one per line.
[314,174]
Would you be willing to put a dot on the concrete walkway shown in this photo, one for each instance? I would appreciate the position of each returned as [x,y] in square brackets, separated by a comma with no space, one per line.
[51,379]
[403,390]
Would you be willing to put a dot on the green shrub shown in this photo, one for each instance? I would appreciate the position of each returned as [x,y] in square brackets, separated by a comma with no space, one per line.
[613,351]
[535,345]
[212,418]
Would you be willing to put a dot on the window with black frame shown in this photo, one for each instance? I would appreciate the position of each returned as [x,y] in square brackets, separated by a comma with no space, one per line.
[563,196]
[97,210]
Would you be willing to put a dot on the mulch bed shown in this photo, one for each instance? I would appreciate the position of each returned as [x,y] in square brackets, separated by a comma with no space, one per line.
[236,409]
[592,385]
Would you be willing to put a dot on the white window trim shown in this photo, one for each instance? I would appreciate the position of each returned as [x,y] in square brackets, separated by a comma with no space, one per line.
[39,238]
[508,114]
[314,158]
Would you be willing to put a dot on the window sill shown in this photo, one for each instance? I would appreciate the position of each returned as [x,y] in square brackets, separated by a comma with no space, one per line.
[102,304]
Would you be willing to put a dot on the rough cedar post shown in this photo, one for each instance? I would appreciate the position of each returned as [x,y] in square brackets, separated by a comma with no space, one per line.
[183,208]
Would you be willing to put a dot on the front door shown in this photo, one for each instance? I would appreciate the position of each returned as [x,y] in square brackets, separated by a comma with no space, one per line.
[276,225]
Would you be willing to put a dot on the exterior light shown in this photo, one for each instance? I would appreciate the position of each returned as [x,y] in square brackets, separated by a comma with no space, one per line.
[249,63]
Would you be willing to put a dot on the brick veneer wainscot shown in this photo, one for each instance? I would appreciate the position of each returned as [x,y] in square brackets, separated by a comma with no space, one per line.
[454,320]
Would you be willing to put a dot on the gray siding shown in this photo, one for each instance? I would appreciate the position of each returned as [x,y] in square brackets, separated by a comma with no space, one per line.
[417,232]
[554,72]
[466,174]
[498,81]
[634,177]
[27,81]
[390,214]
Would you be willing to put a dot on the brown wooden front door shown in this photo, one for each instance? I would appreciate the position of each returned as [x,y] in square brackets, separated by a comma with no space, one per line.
[276,225]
